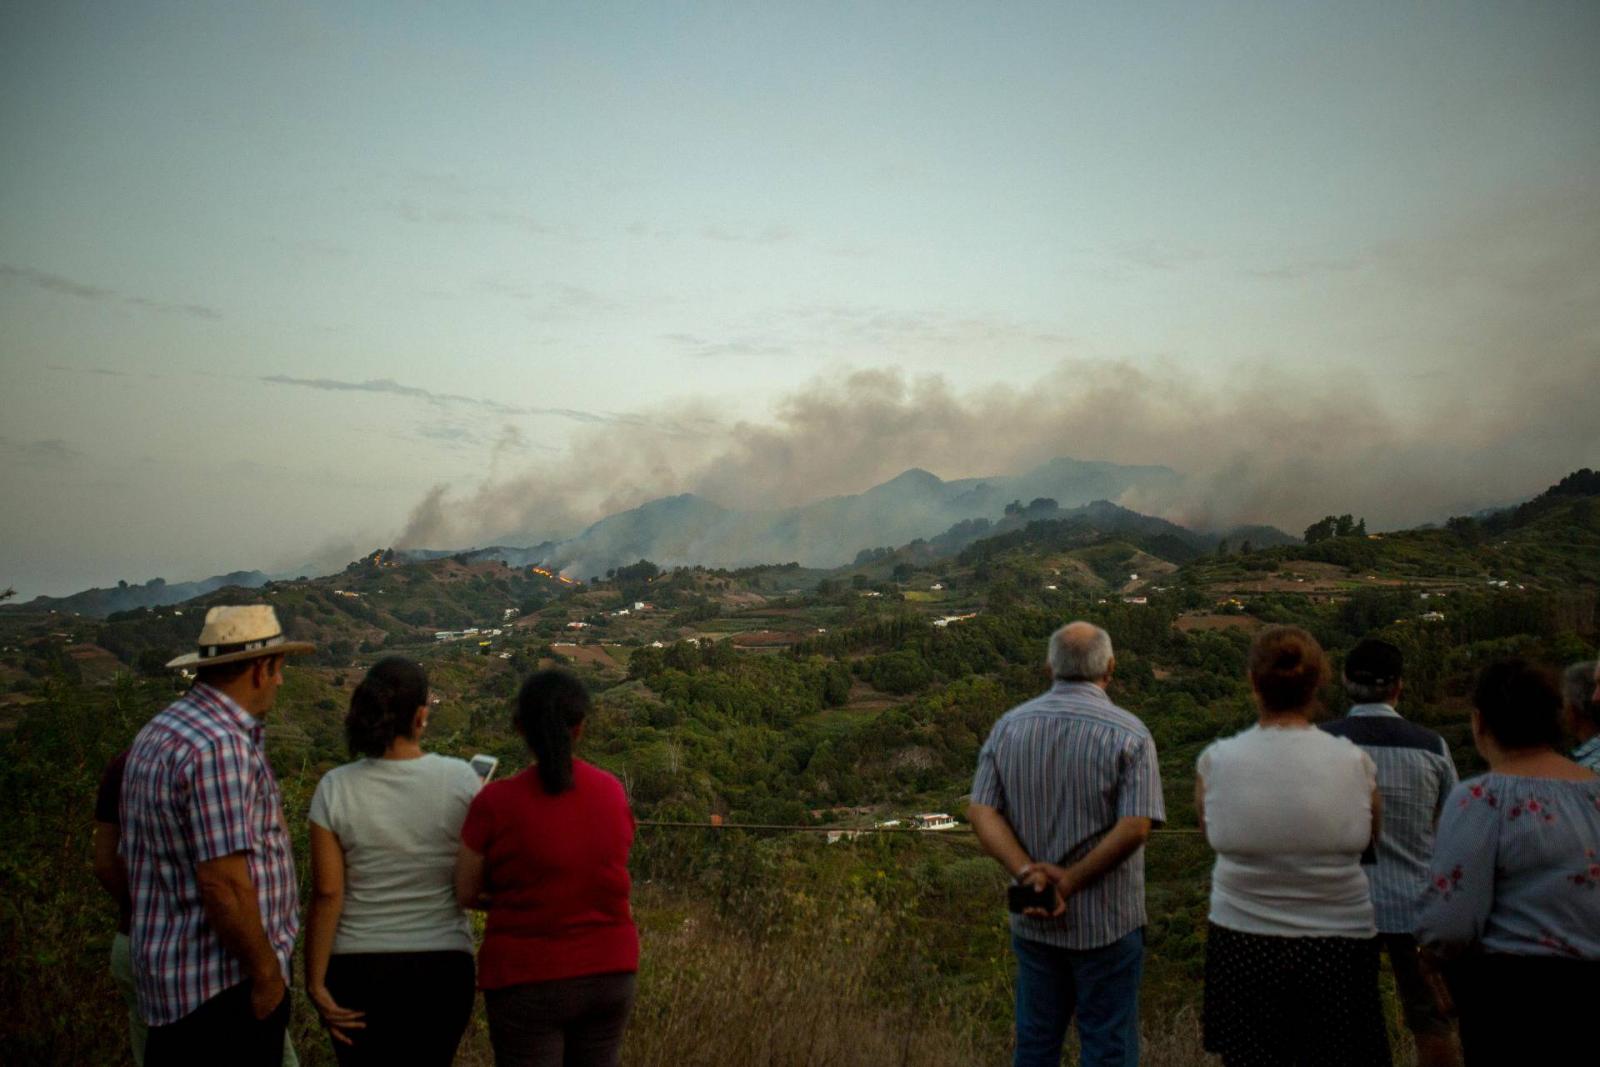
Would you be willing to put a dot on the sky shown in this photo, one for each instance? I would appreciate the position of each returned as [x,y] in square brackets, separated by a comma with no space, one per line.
[283,283]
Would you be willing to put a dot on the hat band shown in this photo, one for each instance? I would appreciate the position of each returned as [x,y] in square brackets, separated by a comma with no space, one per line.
[213,651]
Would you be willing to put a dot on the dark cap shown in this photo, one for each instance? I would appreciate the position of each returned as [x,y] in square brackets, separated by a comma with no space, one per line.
[1375,663]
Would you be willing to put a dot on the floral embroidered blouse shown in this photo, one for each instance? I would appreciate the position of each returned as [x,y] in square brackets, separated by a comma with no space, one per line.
[1516,869]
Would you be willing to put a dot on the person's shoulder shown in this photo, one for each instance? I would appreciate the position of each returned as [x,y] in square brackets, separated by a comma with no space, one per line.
[1233,742]
[1333,746]
[1386,731]
[1127,720]
[457,772]
[586,773]
[342,776]
[498,792]
[448,766]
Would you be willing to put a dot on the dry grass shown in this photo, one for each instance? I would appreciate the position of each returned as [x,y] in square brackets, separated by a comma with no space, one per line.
[711,997]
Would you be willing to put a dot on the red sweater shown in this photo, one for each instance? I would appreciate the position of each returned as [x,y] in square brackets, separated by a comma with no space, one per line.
[556,870]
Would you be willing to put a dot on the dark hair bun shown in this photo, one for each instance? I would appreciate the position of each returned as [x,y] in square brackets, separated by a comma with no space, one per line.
[384,705]
[1287,667]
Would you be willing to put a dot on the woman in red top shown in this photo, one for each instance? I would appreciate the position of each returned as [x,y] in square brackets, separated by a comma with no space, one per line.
[546,852]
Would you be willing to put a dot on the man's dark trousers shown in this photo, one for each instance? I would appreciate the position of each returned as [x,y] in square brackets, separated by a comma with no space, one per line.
[221,1031]
[1099,985]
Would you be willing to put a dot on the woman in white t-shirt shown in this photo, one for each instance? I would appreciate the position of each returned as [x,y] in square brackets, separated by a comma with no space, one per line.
[388,950]
[1291,966]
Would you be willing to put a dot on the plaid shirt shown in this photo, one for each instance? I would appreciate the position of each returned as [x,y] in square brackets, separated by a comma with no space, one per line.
[198,788]
[1062,769]
[1415,776]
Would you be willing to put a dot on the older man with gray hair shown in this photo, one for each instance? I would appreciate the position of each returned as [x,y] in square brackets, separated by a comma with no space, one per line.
[1581,694]
[1066,793]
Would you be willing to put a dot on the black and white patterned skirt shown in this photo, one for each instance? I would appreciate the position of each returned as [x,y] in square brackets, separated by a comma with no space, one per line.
[1293,1000]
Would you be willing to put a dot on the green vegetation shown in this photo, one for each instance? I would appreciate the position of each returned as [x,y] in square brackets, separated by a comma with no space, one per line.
[862,709]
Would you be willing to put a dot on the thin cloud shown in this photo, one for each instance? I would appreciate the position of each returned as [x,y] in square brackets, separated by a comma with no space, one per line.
[1308,268]
[703,348]
[62,286]
[408,210]
[767,235]
[671,427]
[390,387]
[50,450]
[105,372]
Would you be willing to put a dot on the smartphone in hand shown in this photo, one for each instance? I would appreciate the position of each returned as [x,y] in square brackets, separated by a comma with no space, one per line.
[1023,895]
[484,765]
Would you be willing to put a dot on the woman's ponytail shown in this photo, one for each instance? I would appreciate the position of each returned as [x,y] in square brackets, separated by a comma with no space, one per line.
[551,704]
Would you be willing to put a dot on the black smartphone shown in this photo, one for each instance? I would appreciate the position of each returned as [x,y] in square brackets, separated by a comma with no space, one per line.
[1024,895]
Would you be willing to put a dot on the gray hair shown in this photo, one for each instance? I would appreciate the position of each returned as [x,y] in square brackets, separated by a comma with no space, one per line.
[1577,689]
[1080,651]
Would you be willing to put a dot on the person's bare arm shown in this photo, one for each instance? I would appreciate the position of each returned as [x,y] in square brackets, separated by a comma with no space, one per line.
[1377,816]
[327,904]
[998,839]
[1126,836]
[469,879]
[229,897]
[108,868]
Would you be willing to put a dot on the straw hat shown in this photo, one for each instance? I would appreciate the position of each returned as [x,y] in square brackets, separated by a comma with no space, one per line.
[233,633]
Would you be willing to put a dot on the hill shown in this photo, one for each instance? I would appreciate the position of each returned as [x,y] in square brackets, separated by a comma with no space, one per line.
[814,700]
[155,593]
[689,530]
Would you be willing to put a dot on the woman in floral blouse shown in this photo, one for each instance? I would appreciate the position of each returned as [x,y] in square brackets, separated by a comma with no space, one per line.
[1513,903]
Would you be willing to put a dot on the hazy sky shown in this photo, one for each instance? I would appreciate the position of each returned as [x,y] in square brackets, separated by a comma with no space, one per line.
[271,273]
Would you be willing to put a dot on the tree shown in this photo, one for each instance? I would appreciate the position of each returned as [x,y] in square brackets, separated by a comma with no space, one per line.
[1321,530]
[1465,527]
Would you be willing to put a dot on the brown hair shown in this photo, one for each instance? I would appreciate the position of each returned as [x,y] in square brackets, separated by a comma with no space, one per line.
[1287,667]
[1519,705]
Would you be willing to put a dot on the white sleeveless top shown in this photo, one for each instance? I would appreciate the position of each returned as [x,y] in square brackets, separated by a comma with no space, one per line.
[1289,812]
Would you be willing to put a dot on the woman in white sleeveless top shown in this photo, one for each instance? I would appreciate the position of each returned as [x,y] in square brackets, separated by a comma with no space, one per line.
[1291,949]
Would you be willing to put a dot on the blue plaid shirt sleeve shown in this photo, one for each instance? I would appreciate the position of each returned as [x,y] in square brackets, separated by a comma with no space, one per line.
[1139,790]
[986,786]
[221,798]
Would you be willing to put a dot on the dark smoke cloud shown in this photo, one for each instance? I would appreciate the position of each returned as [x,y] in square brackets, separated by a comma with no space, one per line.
[1470,378]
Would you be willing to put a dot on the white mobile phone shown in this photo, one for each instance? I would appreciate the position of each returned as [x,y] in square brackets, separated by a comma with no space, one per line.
[484,765]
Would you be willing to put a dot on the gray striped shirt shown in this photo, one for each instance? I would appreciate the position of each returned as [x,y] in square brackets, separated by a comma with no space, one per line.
[1062,769]
[1415,776]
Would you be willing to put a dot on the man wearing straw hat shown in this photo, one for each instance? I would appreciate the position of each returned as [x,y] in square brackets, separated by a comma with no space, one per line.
[210,871]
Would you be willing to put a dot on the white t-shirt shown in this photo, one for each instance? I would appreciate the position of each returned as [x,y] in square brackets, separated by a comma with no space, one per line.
[400,824]
[1289,812]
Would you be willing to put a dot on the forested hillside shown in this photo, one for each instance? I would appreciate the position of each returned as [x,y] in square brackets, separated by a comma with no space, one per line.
[786,697]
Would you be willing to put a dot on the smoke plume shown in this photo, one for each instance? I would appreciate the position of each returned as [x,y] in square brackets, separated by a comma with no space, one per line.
[1448,374]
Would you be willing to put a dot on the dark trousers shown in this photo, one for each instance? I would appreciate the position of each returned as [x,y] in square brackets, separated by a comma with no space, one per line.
[1520,1009]
[570,1022]
[222,1030]
[417,1006]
